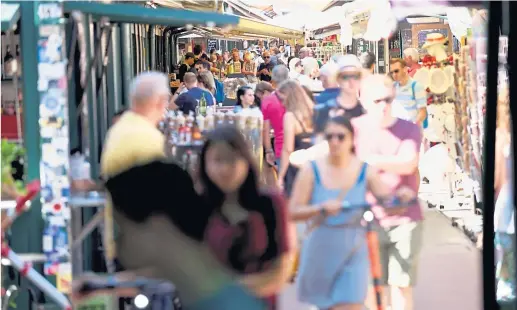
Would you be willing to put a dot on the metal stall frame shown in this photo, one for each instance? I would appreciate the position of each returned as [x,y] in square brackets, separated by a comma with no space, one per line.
[112,67]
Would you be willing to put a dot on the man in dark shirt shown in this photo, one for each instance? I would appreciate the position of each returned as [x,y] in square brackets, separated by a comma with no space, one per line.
[265,69]
[198,51]
[183,100]
[186,66]
[347,102]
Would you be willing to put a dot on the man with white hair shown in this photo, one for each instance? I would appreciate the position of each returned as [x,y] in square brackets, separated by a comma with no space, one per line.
[411,57]
[328,74]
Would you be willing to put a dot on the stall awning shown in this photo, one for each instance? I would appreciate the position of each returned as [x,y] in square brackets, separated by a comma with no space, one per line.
[10,15]
[137,14]
[248,27]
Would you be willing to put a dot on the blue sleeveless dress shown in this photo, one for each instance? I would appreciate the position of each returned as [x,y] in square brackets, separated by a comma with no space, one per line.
[334,267]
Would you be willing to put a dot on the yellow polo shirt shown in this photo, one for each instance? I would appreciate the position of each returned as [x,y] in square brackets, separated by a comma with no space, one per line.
[132,141]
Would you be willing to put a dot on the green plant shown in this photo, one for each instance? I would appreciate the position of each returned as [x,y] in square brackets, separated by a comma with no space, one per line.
[10,152]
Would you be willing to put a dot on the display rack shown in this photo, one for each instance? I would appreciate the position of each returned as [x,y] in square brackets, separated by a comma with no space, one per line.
[323,51]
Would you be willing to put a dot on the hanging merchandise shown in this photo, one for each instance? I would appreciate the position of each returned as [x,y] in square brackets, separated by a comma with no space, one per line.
[54,165]
[346,34]
[459,21]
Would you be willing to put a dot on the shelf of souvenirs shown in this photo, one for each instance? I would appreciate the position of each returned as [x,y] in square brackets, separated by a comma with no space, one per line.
[186,134]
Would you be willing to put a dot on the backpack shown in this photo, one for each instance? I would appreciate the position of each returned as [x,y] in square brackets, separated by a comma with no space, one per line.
[425,123]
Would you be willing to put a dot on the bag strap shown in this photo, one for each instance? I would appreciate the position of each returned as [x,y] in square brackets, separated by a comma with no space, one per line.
[413,89]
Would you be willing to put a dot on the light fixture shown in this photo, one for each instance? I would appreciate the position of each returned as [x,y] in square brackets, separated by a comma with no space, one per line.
[423,20]
[141,301]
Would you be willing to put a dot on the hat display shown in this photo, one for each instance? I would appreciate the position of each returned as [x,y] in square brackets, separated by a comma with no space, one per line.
[439,81]
[434,39]
[422,76]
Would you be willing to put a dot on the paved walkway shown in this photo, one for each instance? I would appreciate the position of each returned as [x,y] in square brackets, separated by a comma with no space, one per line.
[450,270]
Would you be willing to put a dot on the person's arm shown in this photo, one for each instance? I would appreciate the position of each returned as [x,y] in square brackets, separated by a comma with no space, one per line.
[421,103]
[405,162]
[320,117]
[272,280]
[299,207]
[259,71]
[499,176]
[288,144]
[182,70]
[376,186]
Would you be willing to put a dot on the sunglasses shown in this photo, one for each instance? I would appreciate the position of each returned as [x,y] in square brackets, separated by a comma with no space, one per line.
[347,77]
[339,136]
[267,57]
[385,99]
[396,71]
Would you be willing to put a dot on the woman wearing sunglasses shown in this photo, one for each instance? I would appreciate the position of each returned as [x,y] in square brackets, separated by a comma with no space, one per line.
[334,267]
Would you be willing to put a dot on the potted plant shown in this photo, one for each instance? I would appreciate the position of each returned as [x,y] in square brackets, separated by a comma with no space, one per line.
[11,189]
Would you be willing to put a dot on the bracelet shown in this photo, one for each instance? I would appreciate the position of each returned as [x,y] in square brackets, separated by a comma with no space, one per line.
[269,151]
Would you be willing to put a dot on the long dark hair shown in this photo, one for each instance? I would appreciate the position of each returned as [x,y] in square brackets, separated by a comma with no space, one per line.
[240,92]
[249,196]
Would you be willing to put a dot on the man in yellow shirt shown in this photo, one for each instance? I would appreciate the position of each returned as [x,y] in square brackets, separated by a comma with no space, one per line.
[155,244]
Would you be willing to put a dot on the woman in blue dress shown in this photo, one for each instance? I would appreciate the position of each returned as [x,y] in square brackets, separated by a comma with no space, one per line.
[334,267]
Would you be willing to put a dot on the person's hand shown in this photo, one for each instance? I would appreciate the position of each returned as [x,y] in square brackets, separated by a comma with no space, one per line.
[181,88]
[280,182]
[270,158]
[405,194]
[332,207]
[83,185]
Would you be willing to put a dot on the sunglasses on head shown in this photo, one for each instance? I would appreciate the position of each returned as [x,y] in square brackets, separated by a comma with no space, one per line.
[395,71]
[339,136]
[385,99]
[347,77]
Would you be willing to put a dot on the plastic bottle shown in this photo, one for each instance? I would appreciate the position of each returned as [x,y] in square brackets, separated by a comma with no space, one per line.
[188,128]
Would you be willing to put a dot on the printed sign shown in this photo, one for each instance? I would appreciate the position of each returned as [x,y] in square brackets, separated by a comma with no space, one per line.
[212,44]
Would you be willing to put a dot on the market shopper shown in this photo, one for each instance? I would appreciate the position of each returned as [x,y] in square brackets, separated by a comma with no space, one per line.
[262,90]
[391,145]
[205,81]
[504,213]
[204,66]
[248,229]
[249,68]
[410,103]
[186,66]
[245,98]
[411,57]
[133,152]
[265,69]
[331,90]
[296,72]
[347,103]
[198,51]
[297,129]
[368,62]
[273,111]
[193,90]
[334,263]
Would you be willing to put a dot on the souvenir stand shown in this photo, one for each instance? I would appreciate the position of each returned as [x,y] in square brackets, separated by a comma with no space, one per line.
[185,134]
[440,168]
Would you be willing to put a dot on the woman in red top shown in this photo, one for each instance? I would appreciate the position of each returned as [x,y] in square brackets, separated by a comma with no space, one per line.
[248,229]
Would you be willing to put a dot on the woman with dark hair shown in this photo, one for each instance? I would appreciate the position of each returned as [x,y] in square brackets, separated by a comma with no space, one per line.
[243,228]
[334,263]
[248,229]
[245,98]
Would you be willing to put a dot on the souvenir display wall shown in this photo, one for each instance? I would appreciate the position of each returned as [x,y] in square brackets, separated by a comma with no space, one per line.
[54,133]
[324,50]
[185,133]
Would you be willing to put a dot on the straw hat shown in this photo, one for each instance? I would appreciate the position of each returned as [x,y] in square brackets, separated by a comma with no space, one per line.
[434,39]
[439,81]
[422,76]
